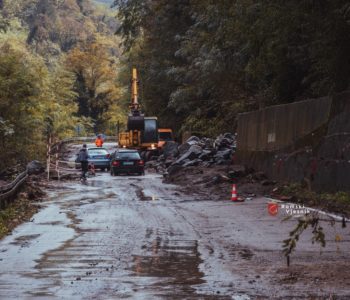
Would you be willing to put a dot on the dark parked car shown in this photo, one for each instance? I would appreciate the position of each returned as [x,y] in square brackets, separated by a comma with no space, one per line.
[127,161]
[100,157]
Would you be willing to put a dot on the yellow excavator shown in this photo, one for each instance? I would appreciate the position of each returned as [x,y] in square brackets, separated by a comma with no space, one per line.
[164,135]
[142,132]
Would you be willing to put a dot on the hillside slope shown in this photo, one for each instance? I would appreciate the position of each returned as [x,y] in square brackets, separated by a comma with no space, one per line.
[58,27]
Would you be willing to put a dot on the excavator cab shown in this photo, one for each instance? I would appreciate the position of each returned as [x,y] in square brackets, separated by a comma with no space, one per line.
[164,135]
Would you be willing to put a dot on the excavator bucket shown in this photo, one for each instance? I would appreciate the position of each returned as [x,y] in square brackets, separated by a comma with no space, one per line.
[136,122]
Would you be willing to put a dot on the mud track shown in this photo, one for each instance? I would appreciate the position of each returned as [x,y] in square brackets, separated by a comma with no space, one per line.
[137,238]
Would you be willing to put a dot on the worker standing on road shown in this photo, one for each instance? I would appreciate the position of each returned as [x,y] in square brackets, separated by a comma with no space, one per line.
[99,141]
[83,159]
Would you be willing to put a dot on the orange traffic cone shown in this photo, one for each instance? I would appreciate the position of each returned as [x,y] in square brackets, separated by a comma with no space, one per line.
[234,193]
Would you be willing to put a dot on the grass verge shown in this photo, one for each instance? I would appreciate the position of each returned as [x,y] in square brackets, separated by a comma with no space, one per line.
[23,207]
[338,202]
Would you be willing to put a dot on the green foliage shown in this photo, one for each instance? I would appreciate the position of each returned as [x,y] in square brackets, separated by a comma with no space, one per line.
[96,84]
[4,24]
[343,198]
[337,202]
[6,215]
[203,59]
[311,220]
[40,95]
[21,110]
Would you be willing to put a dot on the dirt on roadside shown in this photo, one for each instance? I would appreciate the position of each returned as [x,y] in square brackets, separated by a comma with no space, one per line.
[217,181]
[22,207]
[307,271]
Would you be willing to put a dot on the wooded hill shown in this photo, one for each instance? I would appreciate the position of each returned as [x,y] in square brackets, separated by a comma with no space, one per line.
[203,61]
[59,63]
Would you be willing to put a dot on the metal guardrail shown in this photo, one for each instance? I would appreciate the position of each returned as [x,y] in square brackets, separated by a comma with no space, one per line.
[8,190]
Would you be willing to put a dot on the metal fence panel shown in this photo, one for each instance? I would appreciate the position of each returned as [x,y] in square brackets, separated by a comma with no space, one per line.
[280,126]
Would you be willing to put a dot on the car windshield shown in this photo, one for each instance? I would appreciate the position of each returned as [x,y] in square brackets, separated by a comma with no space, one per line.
[165,136]
[128,155]
[97,152]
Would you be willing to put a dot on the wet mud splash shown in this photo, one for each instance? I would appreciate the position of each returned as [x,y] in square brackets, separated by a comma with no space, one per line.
[172,268]
[176,260]
[141,195]
[25,240]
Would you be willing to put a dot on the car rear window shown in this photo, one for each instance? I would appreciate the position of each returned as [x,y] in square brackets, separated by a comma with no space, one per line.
[98,152]
[128,155]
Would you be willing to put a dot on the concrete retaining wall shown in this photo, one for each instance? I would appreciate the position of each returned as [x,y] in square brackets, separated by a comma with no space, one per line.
[311,144]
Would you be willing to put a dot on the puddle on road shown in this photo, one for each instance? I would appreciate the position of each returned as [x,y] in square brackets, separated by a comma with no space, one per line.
[99,183]
[172,267]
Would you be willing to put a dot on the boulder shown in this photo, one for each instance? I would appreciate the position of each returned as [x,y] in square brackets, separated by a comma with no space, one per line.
[191,163]
[170,149]
[229,135]
[193,152]
[161,158]
[193,140]
[224,141]
[181,162]
[209,143]
[168,162]
[184,148]
[223,155]
[206,155]
[35,168]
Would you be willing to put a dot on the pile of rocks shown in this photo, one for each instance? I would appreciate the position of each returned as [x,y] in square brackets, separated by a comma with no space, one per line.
[196,151]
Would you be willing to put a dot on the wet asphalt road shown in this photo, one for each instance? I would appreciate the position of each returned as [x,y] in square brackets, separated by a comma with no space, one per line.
[116,237]
[134,237]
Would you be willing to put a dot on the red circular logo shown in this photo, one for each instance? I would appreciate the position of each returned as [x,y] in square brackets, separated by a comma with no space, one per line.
[272,208]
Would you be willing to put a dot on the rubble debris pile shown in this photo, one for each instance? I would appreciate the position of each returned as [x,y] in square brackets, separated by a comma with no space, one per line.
[207,165]
[195,152]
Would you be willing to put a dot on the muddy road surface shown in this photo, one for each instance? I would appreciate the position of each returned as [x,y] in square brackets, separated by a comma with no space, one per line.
[133,237]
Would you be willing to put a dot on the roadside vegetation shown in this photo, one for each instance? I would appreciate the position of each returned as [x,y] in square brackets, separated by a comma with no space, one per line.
[204,61]
[59,64]
[338,202]
[13,215]
[21,209]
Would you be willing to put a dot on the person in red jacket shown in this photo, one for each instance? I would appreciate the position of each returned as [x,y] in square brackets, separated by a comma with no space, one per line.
[99,141]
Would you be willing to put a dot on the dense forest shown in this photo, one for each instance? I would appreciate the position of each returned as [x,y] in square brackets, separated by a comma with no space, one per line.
[59,65]
[203,61]
[65,63]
